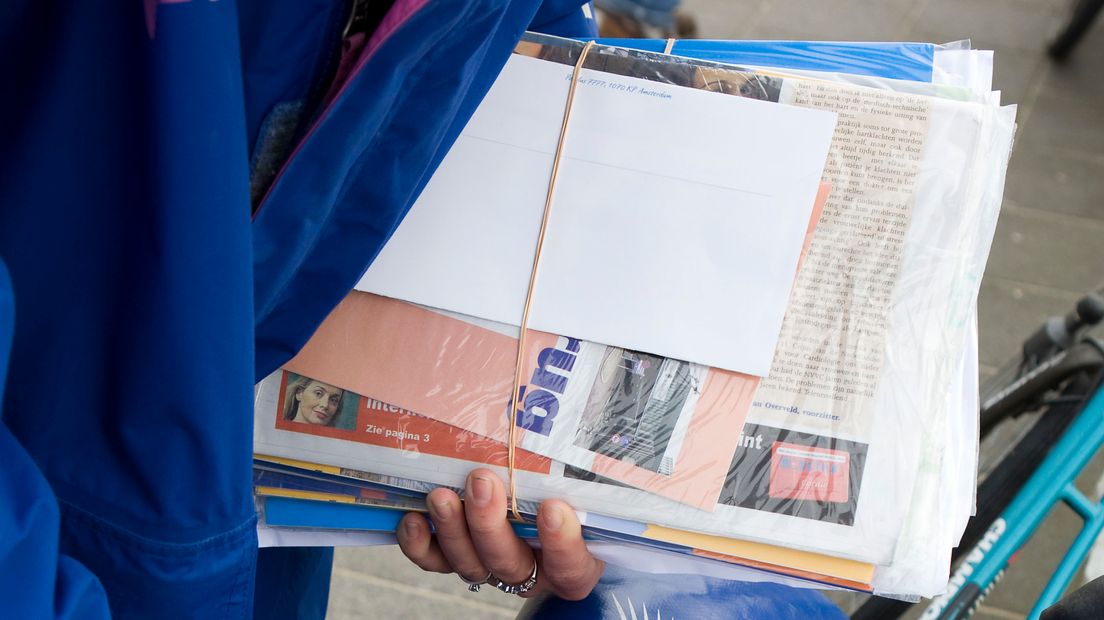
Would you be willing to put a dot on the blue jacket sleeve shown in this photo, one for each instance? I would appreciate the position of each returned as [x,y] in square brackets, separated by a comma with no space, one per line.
[124,223]
[36,580]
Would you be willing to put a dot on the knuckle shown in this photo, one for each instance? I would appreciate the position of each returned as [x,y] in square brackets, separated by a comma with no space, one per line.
[450,527]
[456,547]
[574,594]
[573,587]
[444,508]
[574,581]
[483,528]
[471,570]
[557,545]
[567,579]
[432,564]
[448,538]
[511,569]
[463,560]
[440,494]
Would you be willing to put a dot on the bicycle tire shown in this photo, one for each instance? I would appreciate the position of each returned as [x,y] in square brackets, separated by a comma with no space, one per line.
[1080,19]
[1002,485]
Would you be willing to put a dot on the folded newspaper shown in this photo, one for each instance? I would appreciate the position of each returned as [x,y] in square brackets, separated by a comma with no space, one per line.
[825,471]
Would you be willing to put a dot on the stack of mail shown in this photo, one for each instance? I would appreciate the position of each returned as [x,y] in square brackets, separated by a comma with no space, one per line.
[752,346]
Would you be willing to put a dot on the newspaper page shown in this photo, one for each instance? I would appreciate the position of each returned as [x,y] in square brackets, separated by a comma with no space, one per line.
[662,425]
[804,450]
[831,348]
[844,445]
[842,426]
[878,315]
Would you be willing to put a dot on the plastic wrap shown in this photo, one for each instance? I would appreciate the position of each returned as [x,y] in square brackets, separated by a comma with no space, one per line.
[958,480]
[902,61]
[958,448]
[843,442]
[972,71]
[958,93]
[947,482]
[953,64]
[950,64]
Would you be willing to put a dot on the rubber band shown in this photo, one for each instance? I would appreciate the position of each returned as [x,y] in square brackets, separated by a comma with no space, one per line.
[670,46]
[512,411]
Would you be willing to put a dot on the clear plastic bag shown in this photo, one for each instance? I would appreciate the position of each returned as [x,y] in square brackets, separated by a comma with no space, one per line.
[841,442]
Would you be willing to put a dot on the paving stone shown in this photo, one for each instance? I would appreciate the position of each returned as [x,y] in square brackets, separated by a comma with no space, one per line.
[983,613]
[1079,74]
[355,597]
[1056,180]
[1008,312]
[723,20]
[1065,121]
[387,562]
[996,613]
[1042,248]
[1052,6]
[867,20]
[1015,71]
[1018,25]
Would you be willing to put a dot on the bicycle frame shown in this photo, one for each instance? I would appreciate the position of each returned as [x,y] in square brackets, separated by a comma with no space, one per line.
[1051,483]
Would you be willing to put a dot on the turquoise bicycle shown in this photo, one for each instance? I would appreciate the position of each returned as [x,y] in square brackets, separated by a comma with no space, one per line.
[1042,420]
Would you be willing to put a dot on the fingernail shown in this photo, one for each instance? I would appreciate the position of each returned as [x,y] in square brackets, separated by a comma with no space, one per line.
[412,527]
[553,518]
[442,508]
[479,489]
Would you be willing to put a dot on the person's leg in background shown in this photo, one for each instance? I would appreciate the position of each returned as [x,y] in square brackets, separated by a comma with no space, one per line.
[644,19]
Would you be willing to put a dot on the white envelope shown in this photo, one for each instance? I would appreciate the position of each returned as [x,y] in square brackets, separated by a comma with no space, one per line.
[676,226]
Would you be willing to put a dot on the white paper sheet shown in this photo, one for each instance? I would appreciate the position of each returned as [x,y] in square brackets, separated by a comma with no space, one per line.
[676,227]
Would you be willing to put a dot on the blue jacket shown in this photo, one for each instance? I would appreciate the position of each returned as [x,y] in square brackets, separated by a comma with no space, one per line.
[183,199]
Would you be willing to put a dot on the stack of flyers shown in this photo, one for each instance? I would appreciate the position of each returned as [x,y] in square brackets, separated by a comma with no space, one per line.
[821,468]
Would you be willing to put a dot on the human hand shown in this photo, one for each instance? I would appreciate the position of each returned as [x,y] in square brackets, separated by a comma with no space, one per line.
[473,539]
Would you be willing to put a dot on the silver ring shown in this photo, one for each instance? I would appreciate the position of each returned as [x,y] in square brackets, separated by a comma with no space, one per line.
[473,586]
[520,588]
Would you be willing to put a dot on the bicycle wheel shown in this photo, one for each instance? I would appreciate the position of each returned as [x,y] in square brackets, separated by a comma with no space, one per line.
[1003,482]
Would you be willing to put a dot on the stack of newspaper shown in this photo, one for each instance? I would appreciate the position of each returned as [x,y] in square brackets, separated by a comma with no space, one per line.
[753,347]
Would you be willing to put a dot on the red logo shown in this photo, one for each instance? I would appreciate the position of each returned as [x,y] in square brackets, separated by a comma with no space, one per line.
[816,474]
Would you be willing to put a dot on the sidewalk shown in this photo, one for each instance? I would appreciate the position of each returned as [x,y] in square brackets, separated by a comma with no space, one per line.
[1049,246]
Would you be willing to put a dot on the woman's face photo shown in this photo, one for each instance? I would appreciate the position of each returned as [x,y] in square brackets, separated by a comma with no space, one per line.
[318,403]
